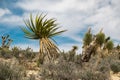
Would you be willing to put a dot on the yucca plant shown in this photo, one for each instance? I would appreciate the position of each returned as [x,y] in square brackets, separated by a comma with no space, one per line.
[109,45]
[74,48]
[100,38]
[72,53]
[6,42]
[87,38]
[118,47]
[43,30]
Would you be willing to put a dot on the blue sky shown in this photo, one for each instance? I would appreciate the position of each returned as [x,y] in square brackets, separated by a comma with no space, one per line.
[74,15]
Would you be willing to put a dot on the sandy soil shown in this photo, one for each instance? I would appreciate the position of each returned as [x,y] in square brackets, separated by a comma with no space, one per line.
[115,76]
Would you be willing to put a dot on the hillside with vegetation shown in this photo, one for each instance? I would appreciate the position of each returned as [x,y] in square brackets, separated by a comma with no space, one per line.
[99,60]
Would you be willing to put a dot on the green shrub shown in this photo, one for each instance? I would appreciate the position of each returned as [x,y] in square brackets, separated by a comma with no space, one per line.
[115,67]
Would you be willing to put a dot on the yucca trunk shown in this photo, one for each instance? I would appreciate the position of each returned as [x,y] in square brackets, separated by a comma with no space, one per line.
[47,49]
[40,59]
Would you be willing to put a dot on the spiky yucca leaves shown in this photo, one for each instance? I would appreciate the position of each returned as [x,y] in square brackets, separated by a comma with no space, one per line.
[87,38]
[109,45]
[100,38]
[43,29]
[74,48]
[6,42]
[118,47]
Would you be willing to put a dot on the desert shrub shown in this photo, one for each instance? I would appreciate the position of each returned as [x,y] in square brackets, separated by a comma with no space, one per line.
[78,59]
[70,71]
[26,53]
[70,56]
[61,71]
[15,51]
[115,66]
[10,72]
[92,75]
[29,54]
[64,56]
[110,62]
[104,68]
[113,56]
[5,53]
[65,67]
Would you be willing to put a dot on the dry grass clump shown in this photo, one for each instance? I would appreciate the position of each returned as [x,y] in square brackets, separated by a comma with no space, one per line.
[92,75]
[65,69]
[10,71]
[68,66]
[115,62]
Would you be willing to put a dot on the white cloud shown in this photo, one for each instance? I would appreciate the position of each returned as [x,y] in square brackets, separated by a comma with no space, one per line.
[74,15]
[4,11]
[57,6]
[12,20]
[107,19]
[7,17]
